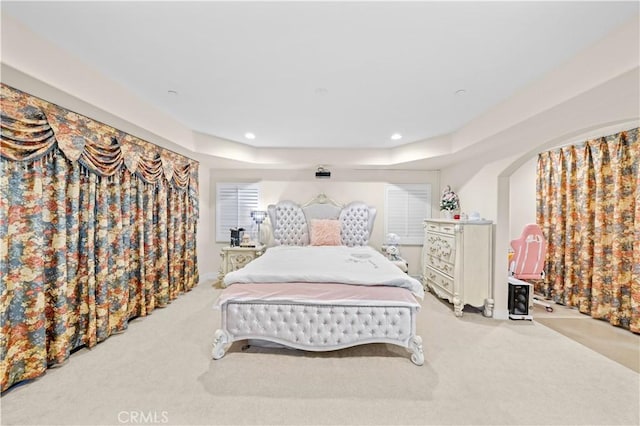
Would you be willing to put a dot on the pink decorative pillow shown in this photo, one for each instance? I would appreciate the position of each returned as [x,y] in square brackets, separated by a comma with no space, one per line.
[325,232]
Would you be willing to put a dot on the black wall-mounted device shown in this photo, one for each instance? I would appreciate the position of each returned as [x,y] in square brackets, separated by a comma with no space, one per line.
[322,173]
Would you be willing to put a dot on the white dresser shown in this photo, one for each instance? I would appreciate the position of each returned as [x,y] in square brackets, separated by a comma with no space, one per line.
[457,259]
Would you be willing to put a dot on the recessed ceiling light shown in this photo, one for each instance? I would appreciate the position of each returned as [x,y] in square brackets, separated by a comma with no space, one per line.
[321,91]
[461,92]
[396,136]
[172,92]
[249,135]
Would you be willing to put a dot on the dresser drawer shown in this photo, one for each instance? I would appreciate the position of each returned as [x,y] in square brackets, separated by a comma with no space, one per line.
[237,261]
[442,282]
[431,241]
[432,227]
[442,247]
[440,265]
[448,228]
[445,228]
[447,248]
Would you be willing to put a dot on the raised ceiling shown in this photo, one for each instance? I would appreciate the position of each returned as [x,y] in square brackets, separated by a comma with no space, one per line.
[323,74]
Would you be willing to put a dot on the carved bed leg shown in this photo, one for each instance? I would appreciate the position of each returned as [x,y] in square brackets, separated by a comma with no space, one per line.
[488,307]
[415,347]
[220,340]
[457,305]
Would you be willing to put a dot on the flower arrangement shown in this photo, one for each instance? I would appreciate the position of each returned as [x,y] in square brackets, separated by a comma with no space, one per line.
[449,200]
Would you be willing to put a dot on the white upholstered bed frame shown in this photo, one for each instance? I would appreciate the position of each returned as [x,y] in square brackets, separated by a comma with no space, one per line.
[319,326]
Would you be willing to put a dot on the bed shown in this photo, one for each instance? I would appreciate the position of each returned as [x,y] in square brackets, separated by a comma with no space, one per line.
[320,286]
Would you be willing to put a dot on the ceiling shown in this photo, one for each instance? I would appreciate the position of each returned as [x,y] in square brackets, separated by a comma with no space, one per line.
[323,74]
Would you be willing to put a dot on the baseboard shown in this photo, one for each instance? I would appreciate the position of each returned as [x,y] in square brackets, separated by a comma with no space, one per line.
[501,314]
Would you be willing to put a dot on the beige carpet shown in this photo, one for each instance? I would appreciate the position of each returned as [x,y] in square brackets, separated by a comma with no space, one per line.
[615,343]
[477,371]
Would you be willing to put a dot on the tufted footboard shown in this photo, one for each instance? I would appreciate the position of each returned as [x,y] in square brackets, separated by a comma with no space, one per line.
[318,327]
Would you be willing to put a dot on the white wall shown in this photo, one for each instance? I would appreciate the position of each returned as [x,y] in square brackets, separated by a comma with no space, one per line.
[343,187]
[206,227]
[522,197]
[475,183]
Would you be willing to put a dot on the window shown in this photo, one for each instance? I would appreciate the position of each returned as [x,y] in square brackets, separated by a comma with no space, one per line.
[406,206]
[234,202]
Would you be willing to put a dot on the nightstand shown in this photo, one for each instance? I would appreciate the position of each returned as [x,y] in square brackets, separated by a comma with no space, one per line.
[234,258]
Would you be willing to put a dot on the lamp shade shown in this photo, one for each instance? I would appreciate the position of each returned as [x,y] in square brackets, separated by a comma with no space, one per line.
[258,216]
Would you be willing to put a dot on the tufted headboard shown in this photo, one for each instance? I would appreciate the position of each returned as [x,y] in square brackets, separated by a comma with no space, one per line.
[356,222]
[290,221]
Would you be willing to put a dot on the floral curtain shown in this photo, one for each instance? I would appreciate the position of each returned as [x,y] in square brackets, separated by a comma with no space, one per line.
[96,227]
[588,206]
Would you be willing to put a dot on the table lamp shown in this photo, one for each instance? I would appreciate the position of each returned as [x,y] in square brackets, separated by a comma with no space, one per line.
[258,217]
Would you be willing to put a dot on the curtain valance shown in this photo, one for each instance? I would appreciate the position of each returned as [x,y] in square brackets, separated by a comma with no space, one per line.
[31,128]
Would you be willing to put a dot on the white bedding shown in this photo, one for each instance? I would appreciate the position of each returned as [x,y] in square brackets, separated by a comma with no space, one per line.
[324,264]
[318,294]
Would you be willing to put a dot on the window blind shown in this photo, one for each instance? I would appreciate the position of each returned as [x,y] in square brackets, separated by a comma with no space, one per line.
[234,202]
[406,206]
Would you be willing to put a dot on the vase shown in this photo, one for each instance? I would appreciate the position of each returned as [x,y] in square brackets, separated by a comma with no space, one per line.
[446,214]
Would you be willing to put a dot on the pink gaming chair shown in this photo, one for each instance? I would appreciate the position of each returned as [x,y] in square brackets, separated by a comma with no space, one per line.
[529,253]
